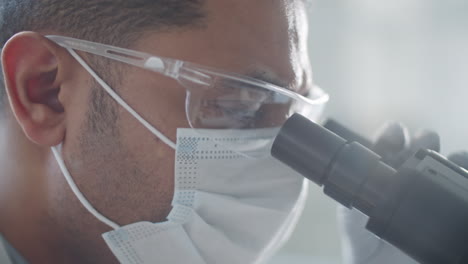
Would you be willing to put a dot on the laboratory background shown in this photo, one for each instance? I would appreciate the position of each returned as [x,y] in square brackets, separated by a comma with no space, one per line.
[381,60]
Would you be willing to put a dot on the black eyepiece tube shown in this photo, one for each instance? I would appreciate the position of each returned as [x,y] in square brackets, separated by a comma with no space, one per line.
[306,147]
[345,169]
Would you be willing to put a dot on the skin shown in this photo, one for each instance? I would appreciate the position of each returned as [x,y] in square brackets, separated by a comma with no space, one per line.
[124,171]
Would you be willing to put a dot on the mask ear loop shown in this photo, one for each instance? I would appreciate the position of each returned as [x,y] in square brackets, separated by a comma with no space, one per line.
[121,102]
[77,192]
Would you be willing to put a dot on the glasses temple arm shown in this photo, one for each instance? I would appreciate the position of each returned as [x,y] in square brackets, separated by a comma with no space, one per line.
[168,67]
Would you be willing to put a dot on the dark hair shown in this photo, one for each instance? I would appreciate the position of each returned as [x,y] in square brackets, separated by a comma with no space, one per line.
[115,22]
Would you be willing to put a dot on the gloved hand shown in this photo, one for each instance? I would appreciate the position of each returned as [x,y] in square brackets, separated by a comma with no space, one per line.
[393,144]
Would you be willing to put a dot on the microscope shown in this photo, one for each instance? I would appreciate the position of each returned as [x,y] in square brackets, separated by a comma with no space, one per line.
[420,207]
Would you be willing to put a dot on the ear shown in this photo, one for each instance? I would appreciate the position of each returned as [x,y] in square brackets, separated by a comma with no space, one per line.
[31,66]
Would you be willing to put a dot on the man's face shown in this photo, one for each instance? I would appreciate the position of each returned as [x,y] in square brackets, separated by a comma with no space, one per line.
[126,172]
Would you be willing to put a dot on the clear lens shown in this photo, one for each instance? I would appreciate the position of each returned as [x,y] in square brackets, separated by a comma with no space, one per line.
[233,104]
[221,102]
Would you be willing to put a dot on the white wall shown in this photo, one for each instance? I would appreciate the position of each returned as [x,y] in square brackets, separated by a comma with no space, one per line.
[404,60]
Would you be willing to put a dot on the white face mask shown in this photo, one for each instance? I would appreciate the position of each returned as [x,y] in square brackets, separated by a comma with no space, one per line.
[227,208]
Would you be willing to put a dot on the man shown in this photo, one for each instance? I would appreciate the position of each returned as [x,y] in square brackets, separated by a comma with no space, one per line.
[140,186]
[117,152]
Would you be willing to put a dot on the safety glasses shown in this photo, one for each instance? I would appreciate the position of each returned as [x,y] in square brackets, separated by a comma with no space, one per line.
[215,99]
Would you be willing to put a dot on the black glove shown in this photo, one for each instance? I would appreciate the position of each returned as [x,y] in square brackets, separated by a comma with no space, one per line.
[460,158]
[395,146]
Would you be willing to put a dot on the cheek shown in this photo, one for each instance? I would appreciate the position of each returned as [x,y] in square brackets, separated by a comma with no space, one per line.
[125,172]
[154,157]
[127,176]
[146,168]
[145,165]
[147,160]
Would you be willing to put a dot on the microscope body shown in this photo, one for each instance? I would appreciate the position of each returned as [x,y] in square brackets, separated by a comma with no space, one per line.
[421,208]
